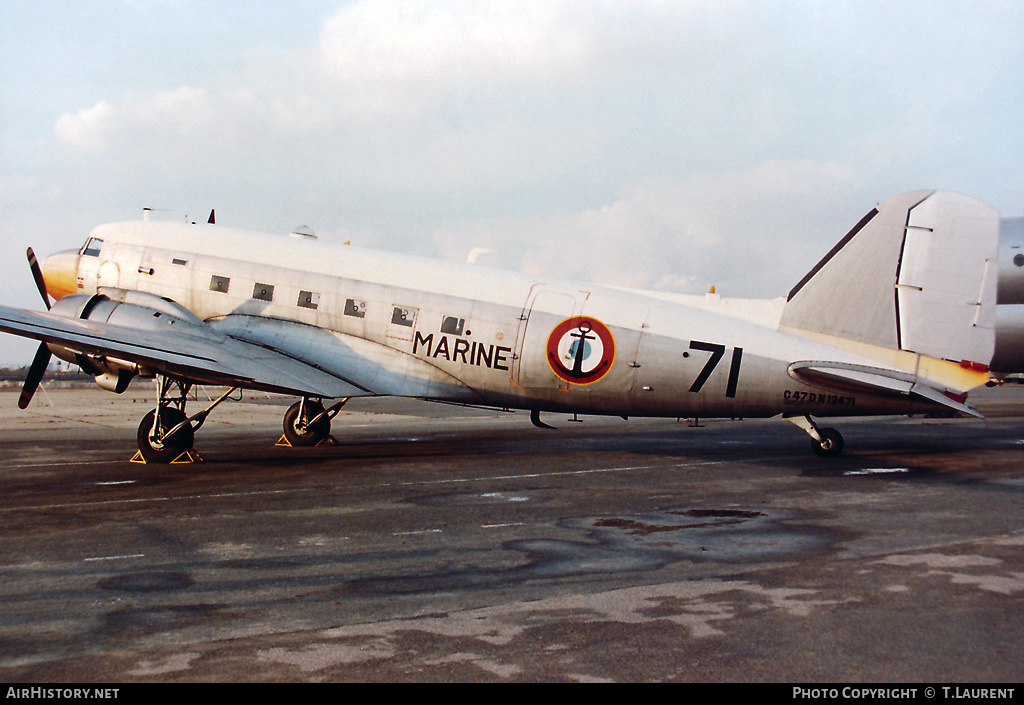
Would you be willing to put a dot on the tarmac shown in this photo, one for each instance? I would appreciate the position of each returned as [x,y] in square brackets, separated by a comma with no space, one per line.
[432,543]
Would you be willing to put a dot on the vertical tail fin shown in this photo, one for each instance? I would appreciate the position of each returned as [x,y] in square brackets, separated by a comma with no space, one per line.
[917,273]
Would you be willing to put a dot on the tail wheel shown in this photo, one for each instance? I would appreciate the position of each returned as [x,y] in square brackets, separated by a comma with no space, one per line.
[831,443]
[158,447]
[297,428]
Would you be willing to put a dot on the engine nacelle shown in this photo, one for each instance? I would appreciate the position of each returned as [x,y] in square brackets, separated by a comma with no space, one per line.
[1011,261]
[1009,354]
[116,383]
[137,310]
[134,309]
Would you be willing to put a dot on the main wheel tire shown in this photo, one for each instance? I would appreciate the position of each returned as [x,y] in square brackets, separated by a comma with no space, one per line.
[299,432]
[164,449]
[831,444]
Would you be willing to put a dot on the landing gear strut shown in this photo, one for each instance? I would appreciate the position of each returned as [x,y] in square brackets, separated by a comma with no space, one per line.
[167,431]
[307,423]
[826,442]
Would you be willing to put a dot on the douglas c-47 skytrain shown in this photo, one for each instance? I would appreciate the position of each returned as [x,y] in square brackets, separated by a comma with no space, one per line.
[899,317]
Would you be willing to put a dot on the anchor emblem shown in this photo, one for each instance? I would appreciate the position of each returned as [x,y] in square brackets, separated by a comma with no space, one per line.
[581,350]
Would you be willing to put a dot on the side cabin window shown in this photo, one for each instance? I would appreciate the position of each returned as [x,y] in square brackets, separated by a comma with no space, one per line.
[309,299]
[92,247]
[452,325]
[263,292]
[403,316]
[355,308]
[220,284]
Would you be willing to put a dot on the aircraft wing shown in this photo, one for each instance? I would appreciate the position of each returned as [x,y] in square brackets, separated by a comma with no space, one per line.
[187,351]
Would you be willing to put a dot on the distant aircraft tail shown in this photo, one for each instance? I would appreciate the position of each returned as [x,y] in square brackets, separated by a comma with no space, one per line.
[916,274]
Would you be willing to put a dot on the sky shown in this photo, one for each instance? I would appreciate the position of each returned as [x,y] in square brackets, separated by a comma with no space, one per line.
[640,143]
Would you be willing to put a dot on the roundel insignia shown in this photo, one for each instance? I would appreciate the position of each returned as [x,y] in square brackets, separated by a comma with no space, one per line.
[581,350]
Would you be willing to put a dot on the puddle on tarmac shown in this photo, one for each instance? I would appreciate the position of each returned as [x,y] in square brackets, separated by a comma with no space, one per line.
[723,538]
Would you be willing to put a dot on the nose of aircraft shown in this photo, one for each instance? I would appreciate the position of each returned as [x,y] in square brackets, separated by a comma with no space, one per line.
[60,273]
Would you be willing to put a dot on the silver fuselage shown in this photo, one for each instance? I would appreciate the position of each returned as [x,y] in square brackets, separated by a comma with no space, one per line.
[409,326]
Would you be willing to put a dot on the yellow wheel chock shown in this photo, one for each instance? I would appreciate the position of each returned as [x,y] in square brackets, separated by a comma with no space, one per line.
[330,441]
[186,457]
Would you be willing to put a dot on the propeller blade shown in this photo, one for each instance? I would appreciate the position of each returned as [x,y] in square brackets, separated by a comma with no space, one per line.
[37,274]
[35,374]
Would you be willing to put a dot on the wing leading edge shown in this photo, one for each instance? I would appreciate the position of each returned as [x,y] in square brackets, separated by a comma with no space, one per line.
[204,357]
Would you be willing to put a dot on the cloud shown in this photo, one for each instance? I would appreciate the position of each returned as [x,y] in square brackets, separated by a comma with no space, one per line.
[751,233]
[184,116]
[469,44]
[643,143]
[377,67]
[20,190]
[428,68]
[159,119]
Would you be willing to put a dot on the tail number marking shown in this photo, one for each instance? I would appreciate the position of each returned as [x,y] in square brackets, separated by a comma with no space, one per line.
[717,353]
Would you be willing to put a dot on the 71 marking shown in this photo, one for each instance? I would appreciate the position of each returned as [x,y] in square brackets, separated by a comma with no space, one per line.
[717,353]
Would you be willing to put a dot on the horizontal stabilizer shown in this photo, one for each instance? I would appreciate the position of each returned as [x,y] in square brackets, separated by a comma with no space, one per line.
[848,378]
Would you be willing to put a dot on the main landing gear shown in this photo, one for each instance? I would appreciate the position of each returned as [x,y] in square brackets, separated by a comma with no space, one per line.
[826,442]
[167,433]
[307,422]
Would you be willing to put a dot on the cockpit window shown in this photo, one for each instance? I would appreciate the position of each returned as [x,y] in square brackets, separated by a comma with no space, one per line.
[92,247]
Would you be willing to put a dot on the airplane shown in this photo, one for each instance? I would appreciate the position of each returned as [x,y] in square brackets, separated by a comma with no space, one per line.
[898,318]
[1008,358]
